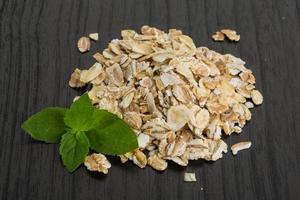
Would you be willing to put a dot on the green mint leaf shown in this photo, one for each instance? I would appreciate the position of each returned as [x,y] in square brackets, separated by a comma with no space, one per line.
[74,147]
[111,135]
[80,116]
[47,125]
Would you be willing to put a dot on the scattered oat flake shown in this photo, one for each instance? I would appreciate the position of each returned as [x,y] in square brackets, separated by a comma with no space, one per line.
[231,34]
[218,36]
[84,44]
[240,146]
[190,177]
[94,36]
[97,162]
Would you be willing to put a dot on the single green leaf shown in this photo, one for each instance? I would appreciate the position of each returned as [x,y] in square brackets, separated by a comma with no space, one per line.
[80,116]
[47,125]
[74,147]
[111,135]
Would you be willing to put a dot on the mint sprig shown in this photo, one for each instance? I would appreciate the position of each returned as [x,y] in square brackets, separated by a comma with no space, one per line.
[47,125]
[79,129]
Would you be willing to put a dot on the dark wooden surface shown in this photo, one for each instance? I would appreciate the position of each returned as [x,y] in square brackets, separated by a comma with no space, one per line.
[38,54]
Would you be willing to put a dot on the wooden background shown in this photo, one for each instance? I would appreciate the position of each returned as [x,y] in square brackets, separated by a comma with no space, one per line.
[38,53]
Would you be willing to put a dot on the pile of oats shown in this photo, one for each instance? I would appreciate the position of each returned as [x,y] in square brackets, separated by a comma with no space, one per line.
[179,99]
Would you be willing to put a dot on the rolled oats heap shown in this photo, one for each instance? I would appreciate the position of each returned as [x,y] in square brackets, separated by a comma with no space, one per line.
[179,99]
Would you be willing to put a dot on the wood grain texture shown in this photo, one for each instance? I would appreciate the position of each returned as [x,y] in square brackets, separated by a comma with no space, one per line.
[38,53]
